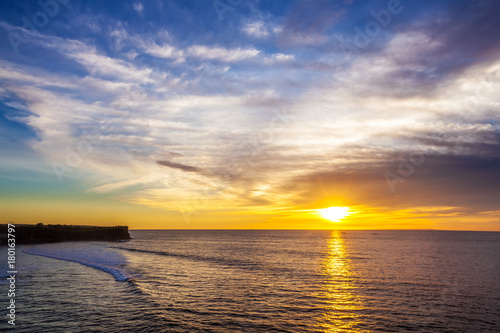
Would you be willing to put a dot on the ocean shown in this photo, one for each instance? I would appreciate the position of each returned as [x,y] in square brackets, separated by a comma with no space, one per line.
[260,281]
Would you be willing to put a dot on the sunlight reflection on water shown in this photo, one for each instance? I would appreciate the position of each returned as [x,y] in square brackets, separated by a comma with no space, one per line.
[342,304]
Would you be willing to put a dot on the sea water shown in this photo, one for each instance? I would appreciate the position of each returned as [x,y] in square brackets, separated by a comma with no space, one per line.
[261,281]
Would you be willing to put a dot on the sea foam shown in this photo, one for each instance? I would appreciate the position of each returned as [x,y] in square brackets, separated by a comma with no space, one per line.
[89,254]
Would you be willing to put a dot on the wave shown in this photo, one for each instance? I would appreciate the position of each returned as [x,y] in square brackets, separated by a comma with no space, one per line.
[217,260]
[247,265]
[93,257]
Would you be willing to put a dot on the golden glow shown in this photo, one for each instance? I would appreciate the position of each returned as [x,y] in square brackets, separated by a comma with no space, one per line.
[98,209]
[334,214]
[343,305]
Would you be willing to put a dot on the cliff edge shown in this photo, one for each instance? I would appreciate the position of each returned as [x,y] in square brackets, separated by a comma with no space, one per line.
[51,233]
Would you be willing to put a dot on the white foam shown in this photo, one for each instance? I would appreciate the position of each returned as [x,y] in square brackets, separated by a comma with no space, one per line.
[88,254]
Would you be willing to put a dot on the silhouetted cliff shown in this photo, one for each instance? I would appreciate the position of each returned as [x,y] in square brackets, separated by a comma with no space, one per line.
[51,233]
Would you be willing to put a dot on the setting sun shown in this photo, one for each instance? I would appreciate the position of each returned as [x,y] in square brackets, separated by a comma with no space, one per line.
[334,214]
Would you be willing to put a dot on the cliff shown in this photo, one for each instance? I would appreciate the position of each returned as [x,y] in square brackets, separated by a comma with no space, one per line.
[51,233]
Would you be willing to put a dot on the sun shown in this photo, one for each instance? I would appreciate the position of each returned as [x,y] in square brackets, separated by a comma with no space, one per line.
[334,214]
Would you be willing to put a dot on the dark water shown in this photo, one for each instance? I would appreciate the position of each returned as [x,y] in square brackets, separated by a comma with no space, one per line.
[263,281]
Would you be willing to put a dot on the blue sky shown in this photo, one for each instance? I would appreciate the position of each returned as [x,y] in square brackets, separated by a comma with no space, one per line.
[240,106]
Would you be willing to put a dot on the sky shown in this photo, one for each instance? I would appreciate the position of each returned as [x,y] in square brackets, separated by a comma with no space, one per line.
[233,114]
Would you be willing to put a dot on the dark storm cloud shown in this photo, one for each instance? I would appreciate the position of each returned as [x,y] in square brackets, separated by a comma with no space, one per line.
[489,147]
[468,182]
[480,140]
[468,33]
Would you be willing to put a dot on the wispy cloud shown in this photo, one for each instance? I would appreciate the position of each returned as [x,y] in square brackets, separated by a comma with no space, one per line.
[220,53]
[138,7]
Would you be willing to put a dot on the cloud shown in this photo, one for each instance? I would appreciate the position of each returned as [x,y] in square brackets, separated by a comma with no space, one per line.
[306,24]
[491,213]
[94,62]
[203,52]
[98,64]
[461,31]
[223,54]
[138,7]
[179,166]
[439,181]
[279,58]
[256,29]
[162,51]
[15,74]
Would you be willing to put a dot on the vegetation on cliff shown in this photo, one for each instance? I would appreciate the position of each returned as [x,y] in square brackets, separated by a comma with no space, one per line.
[51,233]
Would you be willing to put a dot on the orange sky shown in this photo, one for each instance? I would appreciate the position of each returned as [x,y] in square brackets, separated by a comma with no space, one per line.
[107,212]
